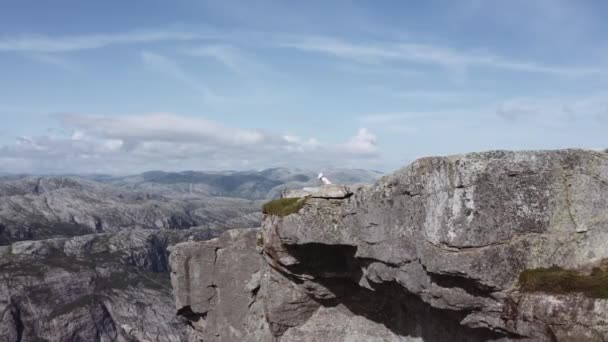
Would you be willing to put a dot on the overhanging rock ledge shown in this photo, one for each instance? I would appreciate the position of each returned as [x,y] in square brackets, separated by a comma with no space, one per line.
[432,252]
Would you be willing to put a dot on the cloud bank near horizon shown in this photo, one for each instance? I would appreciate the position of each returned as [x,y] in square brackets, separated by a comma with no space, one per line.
[135,143]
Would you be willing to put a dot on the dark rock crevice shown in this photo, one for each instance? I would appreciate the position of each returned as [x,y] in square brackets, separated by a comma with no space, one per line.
[469,285]
[336,268]
[326,261]
[407,315]
[191,316]
[19,326]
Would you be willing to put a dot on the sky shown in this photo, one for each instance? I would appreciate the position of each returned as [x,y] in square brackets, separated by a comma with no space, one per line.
[120,87]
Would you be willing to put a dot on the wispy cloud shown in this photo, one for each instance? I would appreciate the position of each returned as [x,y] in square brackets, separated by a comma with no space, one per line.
[442,56]
[227,55]
[456,59]
[238,60]
[554,112]
[168,67]
[42,43]
[54,60]
[391,118]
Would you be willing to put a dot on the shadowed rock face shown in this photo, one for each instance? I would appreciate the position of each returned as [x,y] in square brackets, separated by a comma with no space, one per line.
[433,253]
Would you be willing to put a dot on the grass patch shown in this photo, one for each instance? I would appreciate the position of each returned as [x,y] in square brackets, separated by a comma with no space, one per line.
[283,206]
[557,280]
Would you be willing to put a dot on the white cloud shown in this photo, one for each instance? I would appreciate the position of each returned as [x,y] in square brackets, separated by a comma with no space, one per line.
[447,57]
[362,143]
[160,127]
[167,141]
[40,43]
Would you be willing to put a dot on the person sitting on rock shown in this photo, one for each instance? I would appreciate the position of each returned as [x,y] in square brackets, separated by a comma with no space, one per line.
[323,179]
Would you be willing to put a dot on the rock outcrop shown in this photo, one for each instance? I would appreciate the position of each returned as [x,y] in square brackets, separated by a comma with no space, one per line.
[326,191]
[432,252]
[216,285]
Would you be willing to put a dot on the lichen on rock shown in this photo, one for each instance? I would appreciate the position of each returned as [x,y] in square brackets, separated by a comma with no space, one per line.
[283,206]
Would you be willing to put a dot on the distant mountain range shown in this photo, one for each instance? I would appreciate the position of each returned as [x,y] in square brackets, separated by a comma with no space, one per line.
[255,185]
[41,207]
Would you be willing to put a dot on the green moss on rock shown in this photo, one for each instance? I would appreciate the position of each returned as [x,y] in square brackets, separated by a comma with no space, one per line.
[283,206]
[556,280]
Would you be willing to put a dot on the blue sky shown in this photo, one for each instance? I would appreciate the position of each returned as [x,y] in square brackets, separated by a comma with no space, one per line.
[126,86]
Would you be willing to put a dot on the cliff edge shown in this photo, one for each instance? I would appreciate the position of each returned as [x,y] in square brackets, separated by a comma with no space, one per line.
[434,252]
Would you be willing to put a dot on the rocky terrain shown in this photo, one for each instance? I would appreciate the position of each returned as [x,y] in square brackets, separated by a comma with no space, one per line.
[97,287]
[45,207]
[84,258]
[433,252]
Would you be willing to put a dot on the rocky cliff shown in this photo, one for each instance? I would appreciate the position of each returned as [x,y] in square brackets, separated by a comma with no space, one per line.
[433,252]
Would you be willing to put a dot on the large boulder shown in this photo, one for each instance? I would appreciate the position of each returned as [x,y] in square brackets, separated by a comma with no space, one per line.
[455,233]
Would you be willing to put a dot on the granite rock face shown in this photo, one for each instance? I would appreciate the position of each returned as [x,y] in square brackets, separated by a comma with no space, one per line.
[101,287]
[216,285]
[432,252]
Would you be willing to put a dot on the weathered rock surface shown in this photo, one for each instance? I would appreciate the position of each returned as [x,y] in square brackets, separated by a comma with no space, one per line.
[100,287]
[430,253]
[325,191]
[216,284]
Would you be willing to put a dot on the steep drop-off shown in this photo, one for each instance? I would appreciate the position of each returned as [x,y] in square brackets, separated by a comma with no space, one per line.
[432,252]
